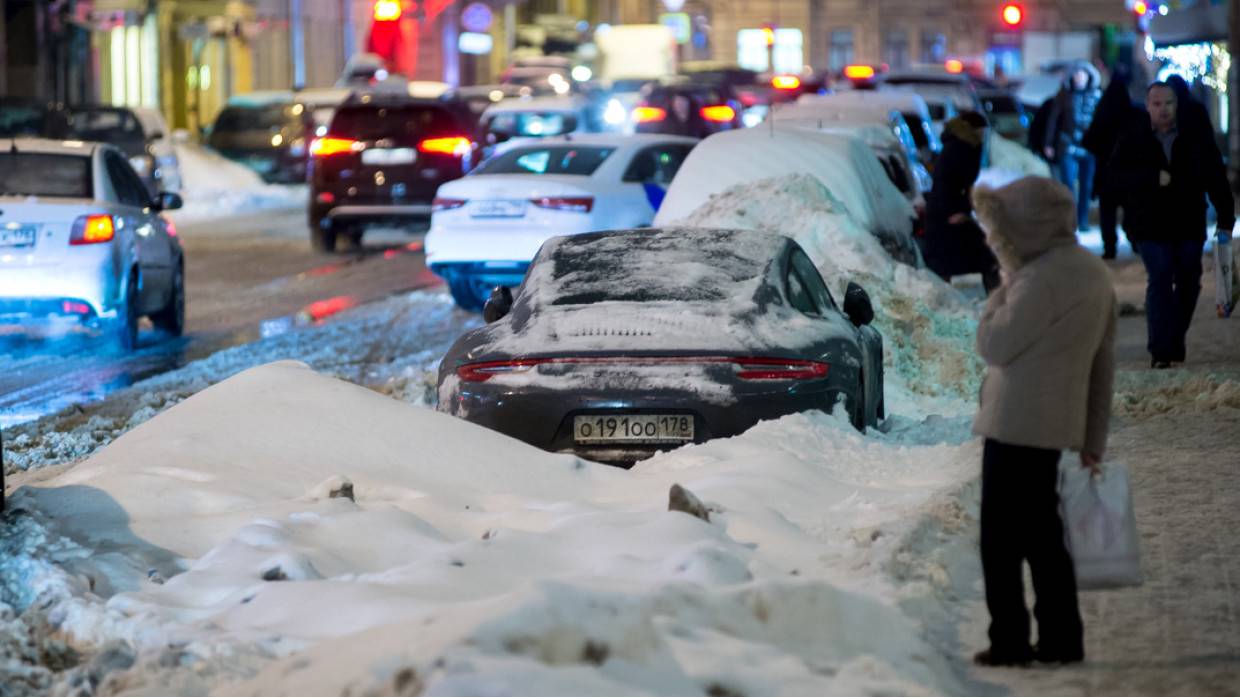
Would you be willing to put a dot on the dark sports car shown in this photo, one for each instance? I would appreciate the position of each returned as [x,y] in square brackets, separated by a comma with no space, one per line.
[620,344]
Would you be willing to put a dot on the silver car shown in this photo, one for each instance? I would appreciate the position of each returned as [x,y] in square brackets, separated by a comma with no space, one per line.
[82,240]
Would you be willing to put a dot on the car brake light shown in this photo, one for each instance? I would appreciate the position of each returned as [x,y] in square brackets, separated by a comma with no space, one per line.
[720,113]
[71,307]
[648,114]
[583,204]
[859,72]
[747,368]
[329,145]
[785,82]
[92,229]
[446,204]
[325,197]
[452,145]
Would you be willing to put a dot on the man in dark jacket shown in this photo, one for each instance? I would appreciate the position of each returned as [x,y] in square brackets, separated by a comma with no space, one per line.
[1166,173]
[953,244]
[1070,116]
[1115,115]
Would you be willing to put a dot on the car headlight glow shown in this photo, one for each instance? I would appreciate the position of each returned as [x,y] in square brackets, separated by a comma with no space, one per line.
[615,113]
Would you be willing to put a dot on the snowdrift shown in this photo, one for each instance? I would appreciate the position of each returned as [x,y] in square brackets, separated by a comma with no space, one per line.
[466,563]
[1013,158]
[928,327]
[213,186]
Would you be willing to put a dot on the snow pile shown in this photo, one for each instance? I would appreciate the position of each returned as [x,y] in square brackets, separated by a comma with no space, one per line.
[286,533]
[927,327]
[212,185]
[1145,394]
[1010,156]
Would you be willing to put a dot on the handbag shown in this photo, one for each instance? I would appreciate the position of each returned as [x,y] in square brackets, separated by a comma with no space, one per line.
[1100,527]
[1226,287]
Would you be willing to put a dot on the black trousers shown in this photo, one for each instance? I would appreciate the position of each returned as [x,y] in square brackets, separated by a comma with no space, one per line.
[1020,522]
[1108,220]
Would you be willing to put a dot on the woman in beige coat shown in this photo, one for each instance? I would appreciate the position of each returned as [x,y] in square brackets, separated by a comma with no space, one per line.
[1047,336]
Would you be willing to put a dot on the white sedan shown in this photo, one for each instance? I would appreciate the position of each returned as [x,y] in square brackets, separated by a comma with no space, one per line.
[81,240]
[487,226]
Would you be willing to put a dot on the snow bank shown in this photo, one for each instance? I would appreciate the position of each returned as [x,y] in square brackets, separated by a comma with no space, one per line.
[463,562]
[928,327]
[213,186]
[1010,156]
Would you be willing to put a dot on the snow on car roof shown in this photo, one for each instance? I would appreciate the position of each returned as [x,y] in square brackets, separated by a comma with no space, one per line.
[904,100]
[615,140]
[845,165]
[46,145]
[657,290]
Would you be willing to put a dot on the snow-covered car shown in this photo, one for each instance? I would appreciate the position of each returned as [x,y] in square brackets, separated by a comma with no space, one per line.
[845,165]
[167,164]
[945,93]
[623,343]
[911,106]
[487,226]
[127,130]
[82,240]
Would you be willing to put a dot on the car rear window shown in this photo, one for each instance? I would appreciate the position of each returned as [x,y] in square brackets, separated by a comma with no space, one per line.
[566,159]
[257,118]
[21,120]
[43,174]
[371,122]
[531,124]
[106,125]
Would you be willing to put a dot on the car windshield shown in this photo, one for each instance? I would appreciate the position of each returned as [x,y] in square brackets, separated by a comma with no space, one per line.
[45,174]
[714,268]
[106,125]
[566,159]
[21,120]
[259,118]
[370,122]
[531,124]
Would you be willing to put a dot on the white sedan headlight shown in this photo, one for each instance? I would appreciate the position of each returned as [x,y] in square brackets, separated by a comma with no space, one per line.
[615,113]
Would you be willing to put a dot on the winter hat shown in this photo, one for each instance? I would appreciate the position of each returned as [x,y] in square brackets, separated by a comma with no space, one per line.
[1025,218]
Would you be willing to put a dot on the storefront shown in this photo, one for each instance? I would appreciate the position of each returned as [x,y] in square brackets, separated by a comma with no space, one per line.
[125,45]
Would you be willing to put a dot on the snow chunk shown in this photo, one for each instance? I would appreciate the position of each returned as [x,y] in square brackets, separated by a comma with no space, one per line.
[213,186]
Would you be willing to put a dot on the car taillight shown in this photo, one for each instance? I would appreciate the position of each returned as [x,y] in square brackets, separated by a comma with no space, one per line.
[785,82]
[583,204]
[747,368]
[859,72]
[648,114]
[330,145]
[719,113]
[446,204]
[452,145]
[92,229]
[481,372]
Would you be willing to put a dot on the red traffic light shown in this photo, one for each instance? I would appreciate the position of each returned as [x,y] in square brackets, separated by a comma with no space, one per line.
[387,10]
[1013,14]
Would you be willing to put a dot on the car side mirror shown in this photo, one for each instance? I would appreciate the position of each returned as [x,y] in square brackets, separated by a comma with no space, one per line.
[857,305]
[169,201]
[498,305]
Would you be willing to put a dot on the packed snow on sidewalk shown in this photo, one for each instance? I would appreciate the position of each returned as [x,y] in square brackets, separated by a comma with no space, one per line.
[213,186]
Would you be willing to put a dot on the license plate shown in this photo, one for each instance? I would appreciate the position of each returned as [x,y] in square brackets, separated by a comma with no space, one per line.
[21,236]
[637,429]
[497,209]
[388,156]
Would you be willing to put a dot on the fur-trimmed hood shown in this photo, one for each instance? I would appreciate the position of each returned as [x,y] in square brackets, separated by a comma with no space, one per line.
[1026,218]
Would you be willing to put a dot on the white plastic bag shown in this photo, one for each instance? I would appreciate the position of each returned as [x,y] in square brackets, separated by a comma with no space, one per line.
[1100,528]
[1226,285]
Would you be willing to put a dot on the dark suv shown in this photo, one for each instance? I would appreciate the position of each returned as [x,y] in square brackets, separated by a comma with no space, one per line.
[679,107]
[269,138]
[381,161]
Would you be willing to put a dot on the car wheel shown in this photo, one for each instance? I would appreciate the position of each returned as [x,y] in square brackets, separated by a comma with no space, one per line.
[171,319]
[465,293]
[127,320]
[323,239]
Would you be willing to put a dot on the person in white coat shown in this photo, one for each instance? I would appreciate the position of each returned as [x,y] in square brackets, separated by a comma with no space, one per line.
[1047,335]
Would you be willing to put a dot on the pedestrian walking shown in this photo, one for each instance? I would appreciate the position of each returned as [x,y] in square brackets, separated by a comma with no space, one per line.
[1071,113]
[1115,116]
[1166,172]
[1047,335]
[953,243]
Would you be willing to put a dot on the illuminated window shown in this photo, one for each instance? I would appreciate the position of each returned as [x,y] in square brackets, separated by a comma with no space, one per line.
[753,53]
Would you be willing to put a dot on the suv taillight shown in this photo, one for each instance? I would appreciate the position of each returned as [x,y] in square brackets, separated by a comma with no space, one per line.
[92,229]
[451,145]
[330,145]
[649,114]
